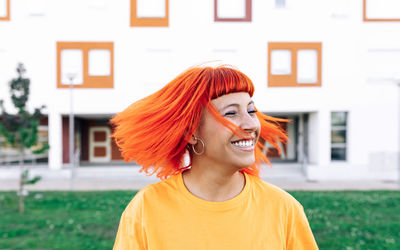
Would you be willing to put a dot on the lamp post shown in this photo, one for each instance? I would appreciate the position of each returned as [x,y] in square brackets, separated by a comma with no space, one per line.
[71,77]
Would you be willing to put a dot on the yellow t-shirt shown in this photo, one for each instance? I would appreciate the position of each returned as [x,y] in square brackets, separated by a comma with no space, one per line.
[167,216]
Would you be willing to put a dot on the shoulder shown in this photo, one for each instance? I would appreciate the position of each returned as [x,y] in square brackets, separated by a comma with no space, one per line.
[272,194]
[152,194]
[160,189]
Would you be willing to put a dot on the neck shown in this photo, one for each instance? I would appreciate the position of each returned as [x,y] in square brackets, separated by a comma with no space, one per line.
[212,182]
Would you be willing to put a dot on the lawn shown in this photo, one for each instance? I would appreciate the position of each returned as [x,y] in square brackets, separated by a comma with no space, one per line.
[89,220]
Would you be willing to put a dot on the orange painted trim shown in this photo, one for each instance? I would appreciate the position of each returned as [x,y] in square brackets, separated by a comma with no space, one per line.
[366,19]
[6,18]
[247,17]
[291,80]
[88,80]
[148,21]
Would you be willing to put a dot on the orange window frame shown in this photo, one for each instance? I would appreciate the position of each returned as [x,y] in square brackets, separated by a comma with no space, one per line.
[6,18]
[247,18]
[88,80]
[148,21]
[366,19]
[291,79]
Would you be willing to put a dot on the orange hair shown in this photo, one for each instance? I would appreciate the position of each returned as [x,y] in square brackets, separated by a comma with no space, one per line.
[155,130]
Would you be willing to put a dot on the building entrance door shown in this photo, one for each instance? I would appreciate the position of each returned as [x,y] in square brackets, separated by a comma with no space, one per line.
[99,144]
[292,160]
[296,149]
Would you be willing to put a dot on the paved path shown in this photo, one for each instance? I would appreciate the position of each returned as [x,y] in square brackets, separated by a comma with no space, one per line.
[132,184]
[128,178]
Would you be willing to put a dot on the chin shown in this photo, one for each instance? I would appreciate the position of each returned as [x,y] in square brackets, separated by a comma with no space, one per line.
[245,164]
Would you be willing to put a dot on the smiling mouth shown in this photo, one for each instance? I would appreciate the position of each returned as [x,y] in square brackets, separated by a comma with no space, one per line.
[246,144]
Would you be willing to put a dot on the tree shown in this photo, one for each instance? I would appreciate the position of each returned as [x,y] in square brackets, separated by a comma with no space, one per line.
[20,130]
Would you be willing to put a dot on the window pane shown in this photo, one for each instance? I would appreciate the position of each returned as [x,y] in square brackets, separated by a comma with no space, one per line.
[150,8]
[383,9]
[338,136]
[338,118]
[71,66]
[99,62]
[280,3]
[231,8]
[281,62]
[307,66]
[36,7]
[338,154]
[3,8]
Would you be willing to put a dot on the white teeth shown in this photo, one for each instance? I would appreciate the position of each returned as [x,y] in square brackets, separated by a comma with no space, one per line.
[243,143]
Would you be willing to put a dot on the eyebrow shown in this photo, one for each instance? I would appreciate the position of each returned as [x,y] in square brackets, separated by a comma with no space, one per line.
[235,105]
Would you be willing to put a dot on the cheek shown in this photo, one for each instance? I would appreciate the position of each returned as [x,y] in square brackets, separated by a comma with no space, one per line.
[216,134]
[258,126]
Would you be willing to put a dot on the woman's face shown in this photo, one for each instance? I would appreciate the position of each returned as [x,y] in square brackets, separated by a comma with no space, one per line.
[222,146]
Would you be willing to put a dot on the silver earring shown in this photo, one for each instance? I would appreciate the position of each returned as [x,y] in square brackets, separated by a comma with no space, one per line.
[202,143]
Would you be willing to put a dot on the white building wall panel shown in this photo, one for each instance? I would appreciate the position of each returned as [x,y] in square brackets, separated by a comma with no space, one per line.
[147,58]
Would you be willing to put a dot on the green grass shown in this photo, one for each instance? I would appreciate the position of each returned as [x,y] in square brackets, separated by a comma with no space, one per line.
[62,220]
[353,219]
[89,220]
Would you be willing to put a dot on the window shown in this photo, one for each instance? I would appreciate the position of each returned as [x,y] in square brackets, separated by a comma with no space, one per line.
[85,64]
[36,7]
[4,10]
[149,13]
[381,10]
[99,144]
[280,3]
[232,10]
[294,64]
[338,136]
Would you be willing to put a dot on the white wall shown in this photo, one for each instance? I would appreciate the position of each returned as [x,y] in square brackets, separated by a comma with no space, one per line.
[147,58]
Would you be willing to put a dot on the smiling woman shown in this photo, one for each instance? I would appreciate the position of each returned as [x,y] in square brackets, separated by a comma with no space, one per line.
[226,152]
[216,200]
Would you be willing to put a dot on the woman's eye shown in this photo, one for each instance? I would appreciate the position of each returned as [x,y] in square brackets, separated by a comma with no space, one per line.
[251,111]
[230,113]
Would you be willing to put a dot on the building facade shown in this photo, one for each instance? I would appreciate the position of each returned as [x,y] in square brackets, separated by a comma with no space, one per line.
[331,67]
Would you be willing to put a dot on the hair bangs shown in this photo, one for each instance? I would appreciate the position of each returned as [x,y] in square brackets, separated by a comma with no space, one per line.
[226,80]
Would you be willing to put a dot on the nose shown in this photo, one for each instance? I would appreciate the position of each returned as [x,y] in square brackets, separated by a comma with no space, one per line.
[249,122]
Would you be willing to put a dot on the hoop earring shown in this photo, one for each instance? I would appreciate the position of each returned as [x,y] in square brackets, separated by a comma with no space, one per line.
[202,143]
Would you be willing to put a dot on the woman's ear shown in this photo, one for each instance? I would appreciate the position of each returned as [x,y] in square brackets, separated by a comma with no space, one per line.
[192,141]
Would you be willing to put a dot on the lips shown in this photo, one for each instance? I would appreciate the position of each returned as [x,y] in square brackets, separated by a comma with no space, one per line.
[244,144]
